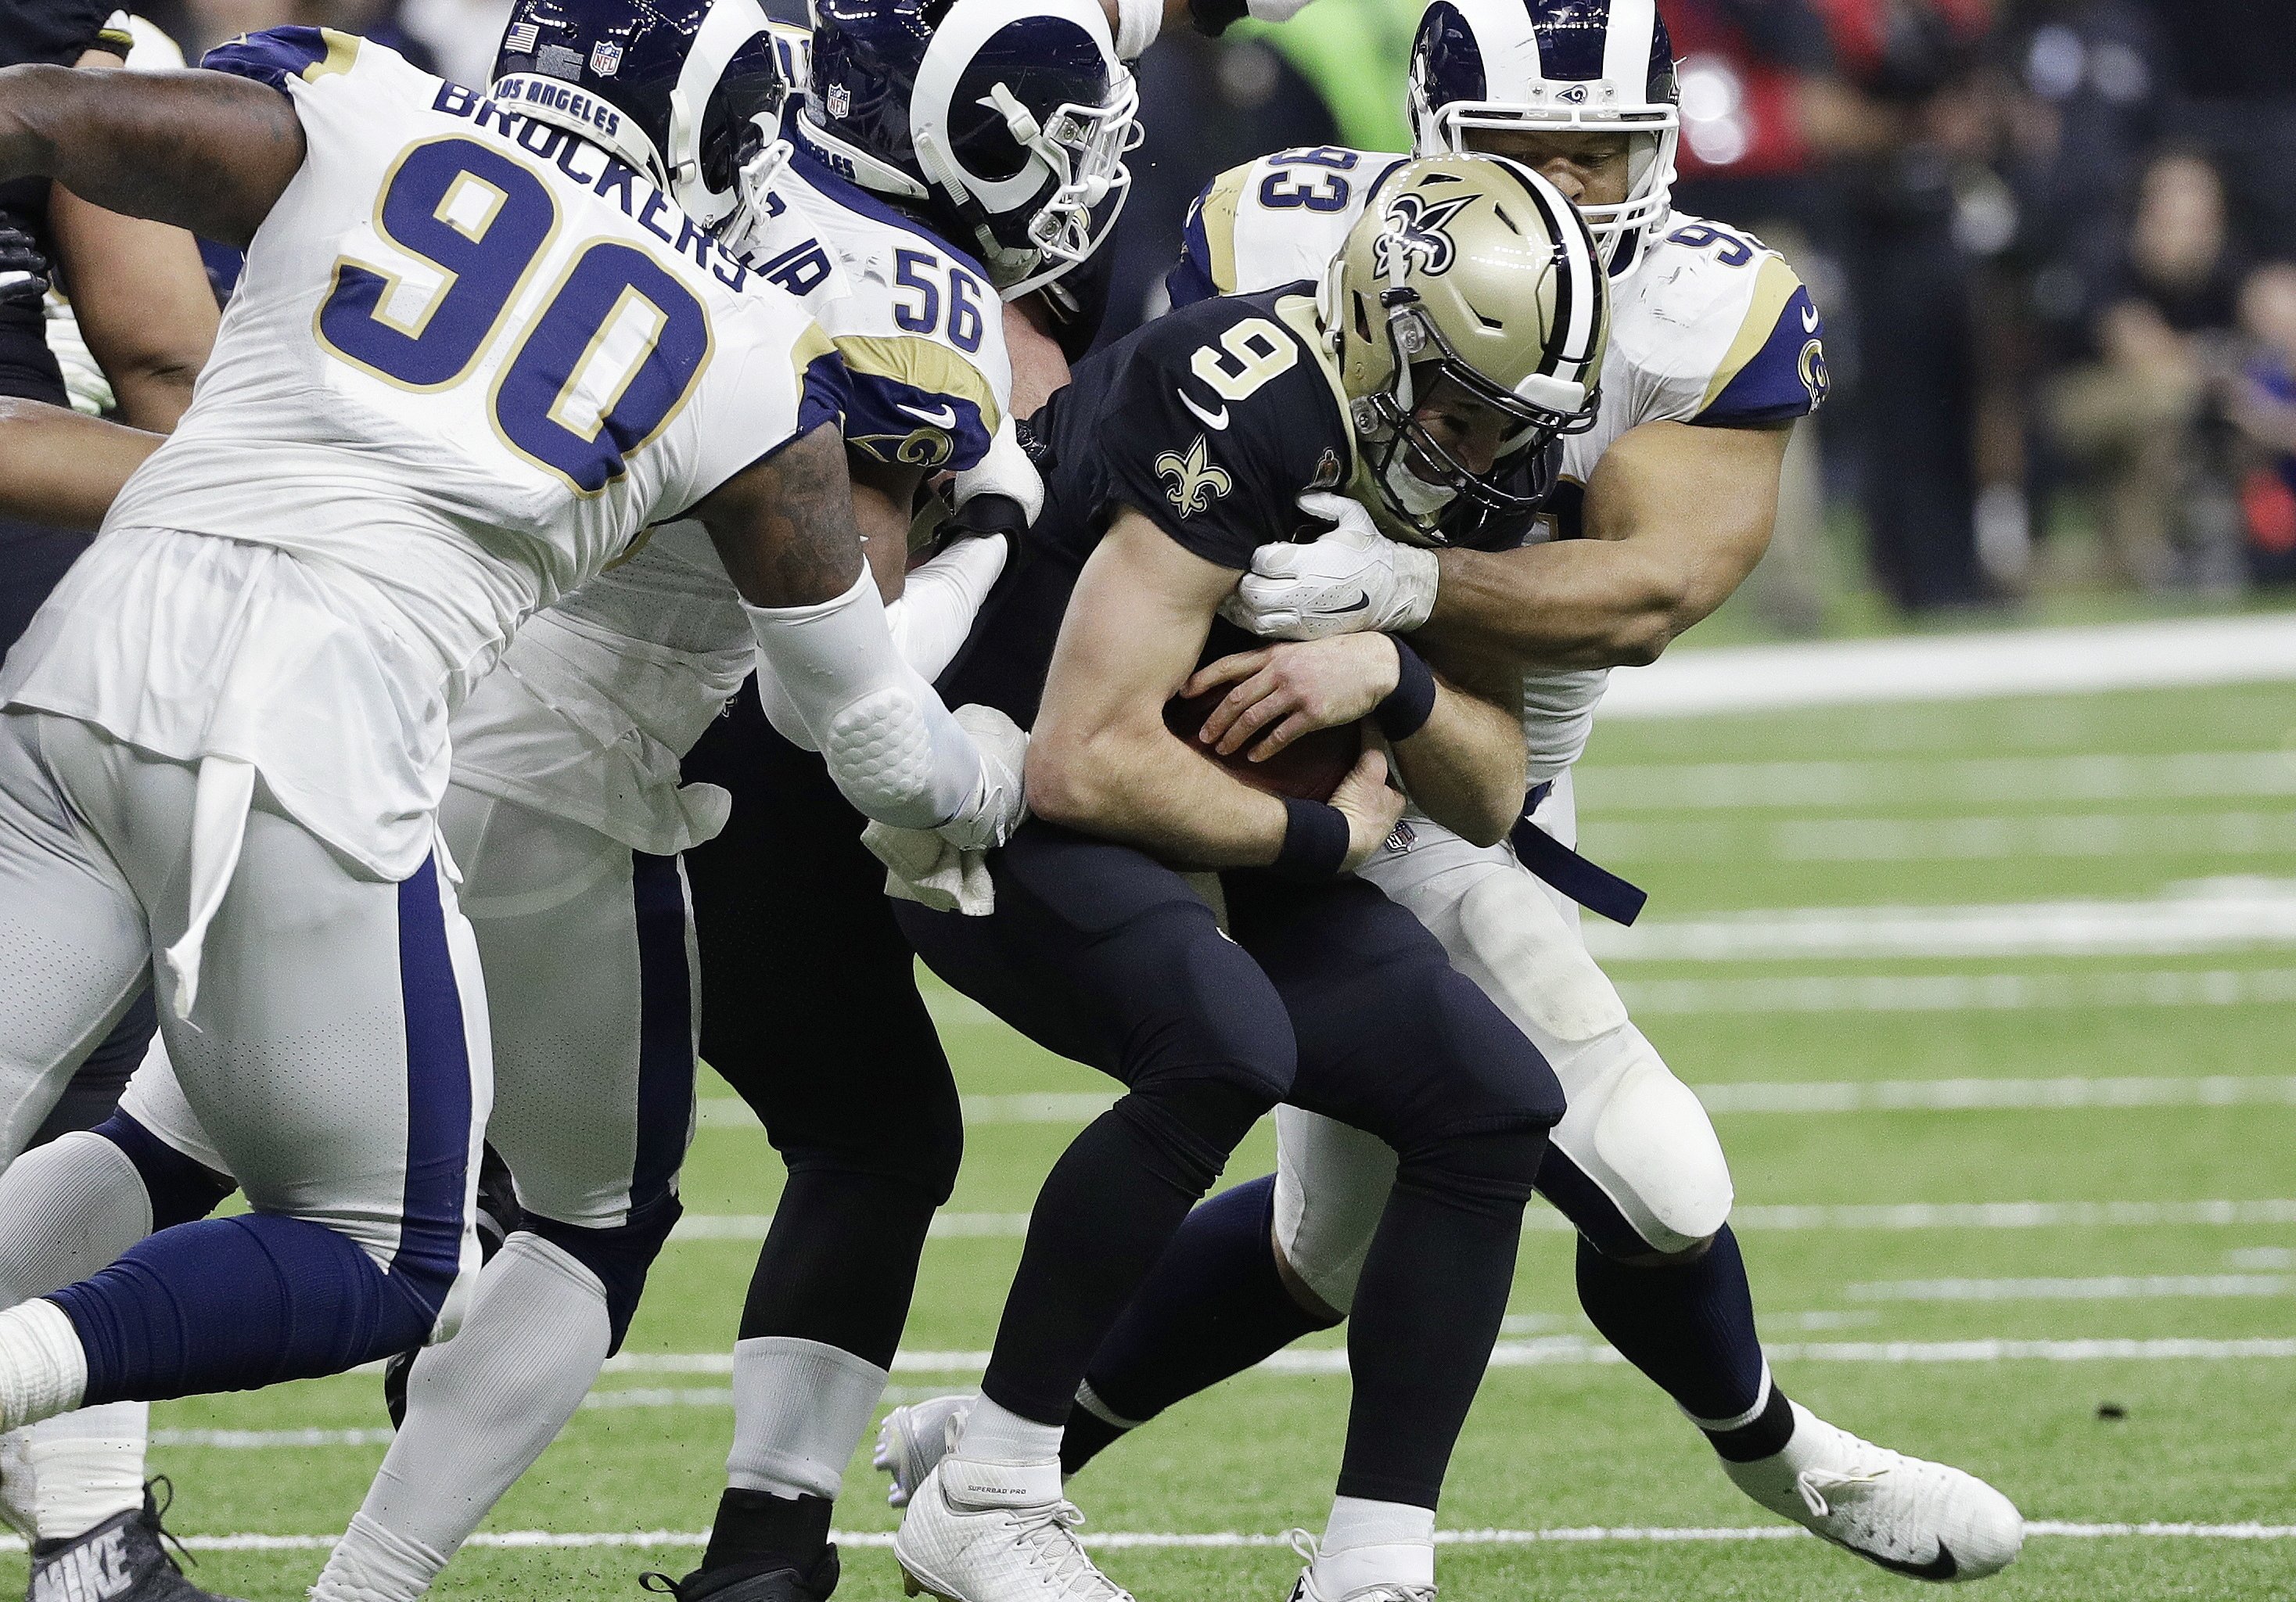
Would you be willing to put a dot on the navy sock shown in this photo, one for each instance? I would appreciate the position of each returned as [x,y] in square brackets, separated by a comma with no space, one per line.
[1689,1327]
[1214,1307]
[235,1303]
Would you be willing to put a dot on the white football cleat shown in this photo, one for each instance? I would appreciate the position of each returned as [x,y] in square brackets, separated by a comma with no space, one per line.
[913,1438]
[1306,1589]
[994,1533]
[1925,1519]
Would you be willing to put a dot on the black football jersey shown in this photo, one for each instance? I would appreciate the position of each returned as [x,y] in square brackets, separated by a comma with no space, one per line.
[1211,422]
[54,33]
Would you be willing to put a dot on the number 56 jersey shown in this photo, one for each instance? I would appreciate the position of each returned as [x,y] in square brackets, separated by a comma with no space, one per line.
[471,358]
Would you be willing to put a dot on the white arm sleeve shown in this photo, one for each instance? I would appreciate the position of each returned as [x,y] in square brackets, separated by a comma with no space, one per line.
[939,600]
[893,747]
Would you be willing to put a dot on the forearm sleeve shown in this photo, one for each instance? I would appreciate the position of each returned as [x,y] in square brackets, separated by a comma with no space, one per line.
[939,600]
[891,746]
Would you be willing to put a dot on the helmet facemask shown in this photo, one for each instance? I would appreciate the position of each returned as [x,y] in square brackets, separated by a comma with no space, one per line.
[724,111]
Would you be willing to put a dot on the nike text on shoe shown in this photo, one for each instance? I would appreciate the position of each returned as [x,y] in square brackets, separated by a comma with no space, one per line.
[1925,1519]
[121,1560]
[766,1581]
[994,1532]
[913,1438]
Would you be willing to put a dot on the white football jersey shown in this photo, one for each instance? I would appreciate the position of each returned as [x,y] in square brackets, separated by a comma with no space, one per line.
[471,358]
[1712,328]
[588,715]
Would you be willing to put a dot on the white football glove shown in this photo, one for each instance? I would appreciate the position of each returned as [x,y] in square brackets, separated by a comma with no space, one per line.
[999,803]
[1351,579]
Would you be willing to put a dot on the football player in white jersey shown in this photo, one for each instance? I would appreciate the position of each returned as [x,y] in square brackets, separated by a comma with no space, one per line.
[1665,505]
[475,353]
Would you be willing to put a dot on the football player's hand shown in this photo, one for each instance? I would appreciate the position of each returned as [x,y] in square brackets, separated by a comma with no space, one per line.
[1352,580]
[999,803]
[1371,807]
[23,270]
[1283,692]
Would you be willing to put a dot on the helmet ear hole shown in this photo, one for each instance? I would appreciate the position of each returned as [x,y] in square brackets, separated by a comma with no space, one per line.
[1363,316]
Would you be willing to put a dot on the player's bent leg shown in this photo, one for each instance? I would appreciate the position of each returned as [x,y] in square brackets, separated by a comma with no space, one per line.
[341,1067]
[813,1016]
[1102,955]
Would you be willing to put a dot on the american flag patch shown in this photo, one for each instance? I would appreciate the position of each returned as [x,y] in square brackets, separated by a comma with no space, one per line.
[519,40]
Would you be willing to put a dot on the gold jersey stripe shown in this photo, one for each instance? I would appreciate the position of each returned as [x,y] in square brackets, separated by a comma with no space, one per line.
[1773,288]
[922,365]
[343,50]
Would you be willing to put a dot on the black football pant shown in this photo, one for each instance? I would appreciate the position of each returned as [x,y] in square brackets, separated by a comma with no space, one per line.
[1328,996]
[809,1009]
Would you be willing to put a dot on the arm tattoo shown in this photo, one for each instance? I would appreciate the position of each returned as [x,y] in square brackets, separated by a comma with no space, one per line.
[786,531]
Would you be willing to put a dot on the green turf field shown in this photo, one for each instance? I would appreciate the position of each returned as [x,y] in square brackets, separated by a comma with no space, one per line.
[1989,1336]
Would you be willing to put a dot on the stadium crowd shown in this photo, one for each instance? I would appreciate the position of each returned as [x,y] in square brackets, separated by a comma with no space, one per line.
[2062,227]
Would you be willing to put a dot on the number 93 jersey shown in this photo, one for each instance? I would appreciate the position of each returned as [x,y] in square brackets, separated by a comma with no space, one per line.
[1712,328]
[472,355]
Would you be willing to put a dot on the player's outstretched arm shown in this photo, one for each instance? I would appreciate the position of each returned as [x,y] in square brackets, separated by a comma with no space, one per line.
[204,151]
[61,469]
[1677,517]
[1104,762]
[1456,739]
[785,528]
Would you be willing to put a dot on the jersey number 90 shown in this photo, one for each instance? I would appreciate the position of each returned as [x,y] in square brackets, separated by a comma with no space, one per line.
[605,363]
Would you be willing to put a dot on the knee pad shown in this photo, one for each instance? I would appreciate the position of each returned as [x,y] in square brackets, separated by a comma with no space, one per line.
[902,1133]
[1488,1171]
[180,1188]
[1194,1123]
[1332,1185]
[1647,1144]
[620,1257]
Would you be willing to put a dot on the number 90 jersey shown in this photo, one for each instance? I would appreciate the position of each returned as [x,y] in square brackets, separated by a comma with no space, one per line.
[1712,328]
[471,355]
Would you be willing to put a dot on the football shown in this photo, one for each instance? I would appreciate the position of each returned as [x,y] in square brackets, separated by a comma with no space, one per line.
[1309,768]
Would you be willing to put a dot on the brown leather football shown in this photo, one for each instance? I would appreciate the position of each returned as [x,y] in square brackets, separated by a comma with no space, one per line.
[1309,768]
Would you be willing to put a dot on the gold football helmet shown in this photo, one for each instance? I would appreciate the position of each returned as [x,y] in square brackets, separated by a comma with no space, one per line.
[1470,314]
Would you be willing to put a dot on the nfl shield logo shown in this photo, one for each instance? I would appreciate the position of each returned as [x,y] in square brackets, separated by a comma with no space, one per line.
[840,101]
[605,58]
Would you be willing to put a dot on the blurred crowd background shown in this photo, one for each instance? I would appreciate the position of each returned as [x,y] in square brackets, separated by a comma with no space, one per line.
[2054,241]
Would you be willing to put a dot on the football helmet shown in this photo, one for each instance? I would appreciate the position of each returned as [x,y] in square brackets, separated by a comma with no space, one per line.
[1565,66]
[1469,278]
[1005,121]
[686,91]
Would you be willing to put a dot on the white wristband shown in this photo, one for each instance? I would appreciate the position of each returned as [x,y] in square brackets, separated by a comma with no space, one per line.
[1137,24]
[1275,11]
[891,746]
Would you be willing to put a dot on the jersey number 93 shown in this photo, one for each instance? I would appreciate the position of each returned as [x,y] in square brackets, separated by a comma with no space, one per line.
[600,369]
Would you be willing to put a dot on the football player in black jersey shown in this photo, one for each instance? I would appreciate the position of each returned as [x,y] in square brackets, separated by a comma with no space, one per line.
[1461,330]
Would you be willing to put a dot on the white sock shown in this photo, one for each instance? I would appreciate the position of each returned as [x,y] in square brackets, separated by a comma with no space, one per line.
[72,1206]
[1003,1460]
[800,1408]
[480,1410]
[1375,1543]
[43,1368]
[71,1472]
[995,1434]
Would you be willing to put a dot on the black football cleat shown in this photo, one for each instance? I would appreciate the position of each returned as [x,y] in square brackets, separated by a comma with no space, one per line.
[770,1580]
[123,1559]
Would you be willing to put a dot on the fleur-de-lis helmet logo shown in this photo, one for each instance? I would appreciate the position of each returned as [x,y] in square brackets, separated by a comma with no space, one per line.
[1196,483]
[1417,231]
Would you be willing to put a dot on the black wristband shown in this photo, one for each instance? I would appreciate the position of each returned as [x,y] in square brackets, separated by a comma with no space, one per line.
[1315,840]
[1213,16]
[1407,707]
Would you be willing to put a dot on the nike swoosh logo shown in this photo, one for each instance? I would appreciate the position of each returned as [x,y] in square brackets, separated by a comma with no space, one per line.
[1809,319]
[1208,419]
[1943,1566]
[946,417]
[1362,600]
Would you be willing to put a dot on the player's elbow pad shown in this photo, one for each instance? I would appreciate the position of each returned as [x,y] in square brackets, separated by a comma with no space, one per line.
[939,600]
[891,746]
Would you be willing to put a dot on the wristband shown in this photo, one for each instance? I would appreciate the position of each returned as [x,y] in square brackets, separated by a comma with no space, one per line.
[1137,24]
[1315,840]
[1213,17]
[1407,707]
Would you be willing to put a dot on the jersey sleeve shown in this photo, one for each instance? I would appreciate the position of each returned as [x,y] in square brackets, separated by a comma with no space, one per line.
[1221,475]
[1206,263]
[1774,368]
[793,381]
[916,402]
[279,55]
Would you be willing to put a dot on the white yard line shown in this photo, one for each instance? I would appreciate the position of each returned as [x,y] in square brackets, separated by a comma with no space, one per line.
[1906,782]
[2021,1095]
[1964,992]
[2115,1287]
[1231,1539]
[2213,914]
[1888,1217]
[2081,836]
[1959,666]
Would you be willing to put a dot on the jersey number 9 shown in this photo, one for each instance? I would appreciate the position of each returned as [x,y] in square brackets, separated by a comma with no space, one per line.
[605,363]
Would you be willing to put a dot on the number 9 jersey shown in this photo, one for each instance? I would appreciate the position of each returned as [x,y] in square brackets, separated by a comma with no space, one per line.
[471,357]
